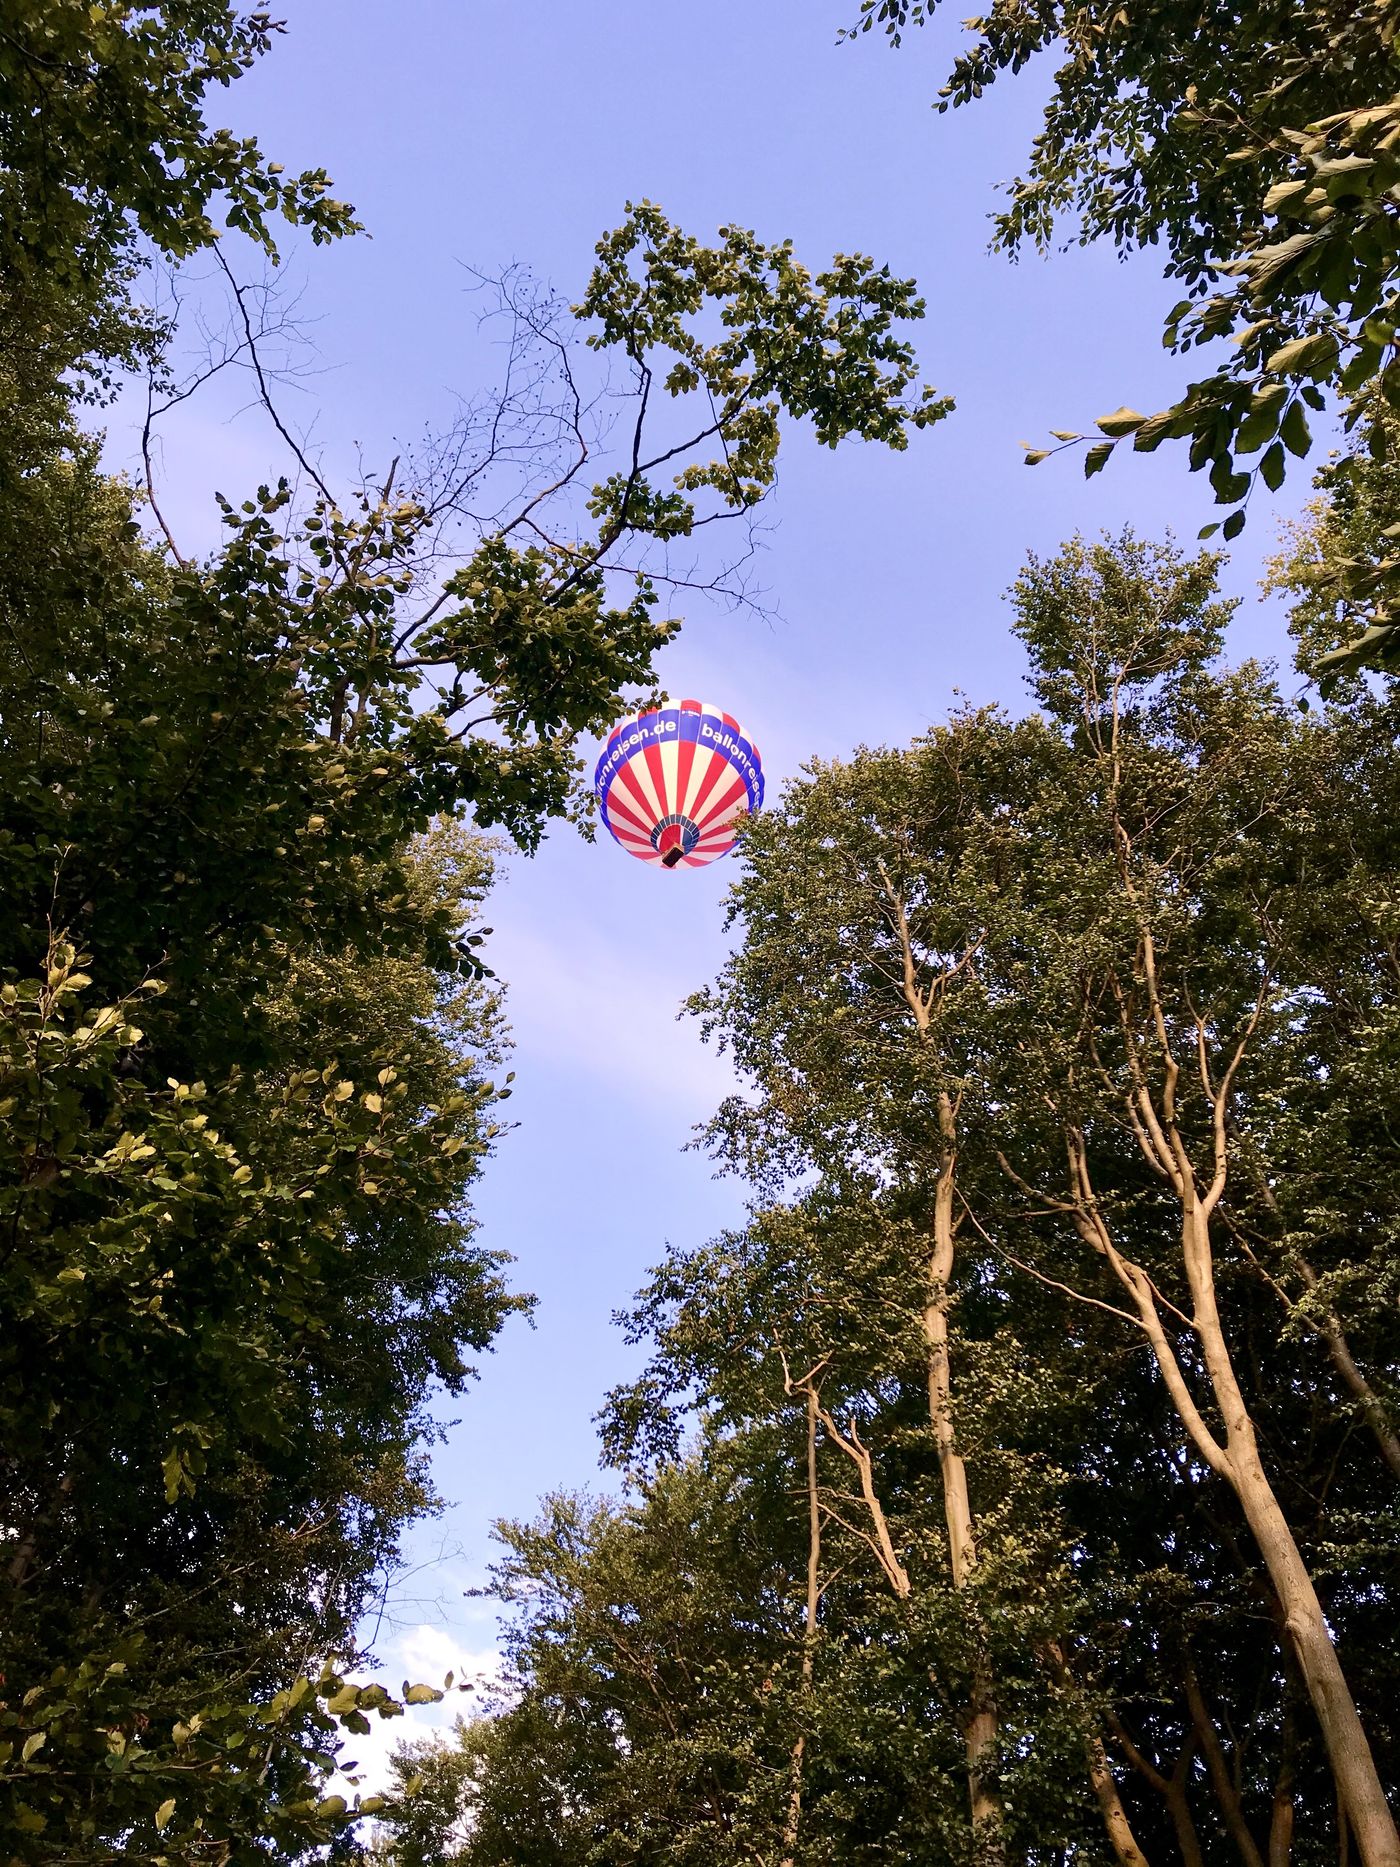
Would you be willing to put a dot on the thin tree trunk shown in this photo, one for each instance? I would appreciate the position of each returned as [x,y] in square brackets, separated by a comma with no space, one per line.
[1237,1460]
[21,1563]
[980,1727]
[1372,1408]
[1186,1837]
[1225,1792]
[1115,1817]
[809,1632]
[18,1569]
[879,1537]
[1281,1820]
[1172,1790]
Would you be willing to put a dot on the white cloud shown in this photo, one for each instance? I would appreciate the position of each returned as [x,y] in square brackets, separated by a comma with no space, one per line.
[583,1005]
[427,1654]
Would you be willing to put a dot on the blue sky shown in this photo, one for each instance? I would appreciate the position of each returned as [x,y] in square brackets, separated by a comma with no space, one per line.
[477,132]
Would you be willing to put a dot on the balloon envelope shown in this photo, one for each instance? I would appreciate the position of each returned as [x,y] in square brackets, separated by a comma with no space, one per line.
[675,783]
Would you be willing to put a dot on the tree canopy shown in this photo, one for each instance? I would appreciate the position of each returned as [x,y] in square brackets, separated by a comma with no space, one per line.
[1017,1485]
[1259,148]
[249,1050]
[1056,1366]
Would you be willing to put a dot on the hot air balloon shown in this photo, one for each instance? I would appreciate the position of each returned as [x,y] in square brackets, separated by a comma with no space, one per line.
[675,783]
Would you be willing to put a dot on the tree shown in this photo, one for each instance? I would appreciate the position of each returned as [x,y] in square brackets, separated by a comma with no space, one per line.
[1259,149]
[225,1304]
[103,146]
[651,1645]
[1023,883]
[1163,1345]
[248,1036]
[1338,554]
[1190,1009]
[668,1696]
[821,1309]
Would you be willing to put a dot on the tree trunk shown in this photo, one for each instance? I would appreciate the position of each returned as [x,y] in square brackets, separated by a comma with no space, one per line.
[25,1551]
[1225,1792]
[1115,1817]
[809,1633]
[1348,1751]
[1171,1788]
[1355,1382]
[1180,1809]
[980,1725]
[1373,1409]
[1342,1730]
[1281,1820]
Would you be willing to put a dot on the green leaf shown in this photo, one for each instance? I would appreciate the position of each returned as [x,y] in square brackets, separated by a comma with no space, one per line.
[1153,432]
[33,1744]
[1273,467]
[1372,645]
[1293,430]
[1284,195]
[1343,168]
[174,1472]
[1229,486]
[1303,356]
[1234,525]
[164,1812]
[1257,428]
[1097,458]
[420,1694]
[1121,421]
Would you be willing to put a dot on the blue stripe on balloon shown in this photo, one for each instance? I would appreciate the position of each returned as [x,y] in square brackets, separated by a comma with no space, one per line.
[686,725]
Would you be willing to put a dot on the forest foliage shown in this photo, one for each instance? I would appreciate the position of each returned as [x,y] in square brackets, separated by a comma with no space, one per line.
[1018,1484]
[250,1053]
[1258,147]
